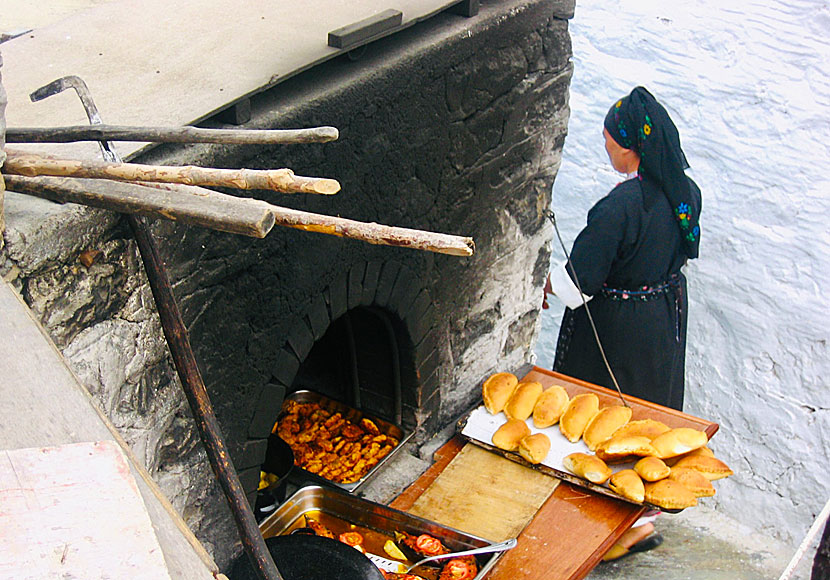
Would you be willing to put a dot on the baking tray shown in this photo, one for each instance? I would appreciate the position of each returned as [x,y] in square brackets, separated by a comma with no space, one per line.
[374,516]
[354,416]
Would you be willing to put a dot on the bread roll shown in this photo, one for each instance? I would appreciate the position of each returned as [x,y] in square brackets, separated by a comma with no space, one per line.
[549,406]
[695,481]
[652,469]
[497,389]
[521,402]
[534,447]
[628,484]
[507,436]
[670,461]
[670,495]
[711,467]
[622,448]
[579,412]
[604,423]
[678,441]
[643,428]
[588,467]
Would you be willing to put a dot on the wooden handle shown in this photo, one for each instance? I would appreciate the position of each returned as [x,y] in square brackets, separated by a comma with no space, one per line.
[281,180]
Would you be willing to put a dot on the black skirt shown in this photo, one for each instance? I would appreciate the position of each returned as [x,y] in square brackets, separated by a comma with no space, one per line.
[644,339]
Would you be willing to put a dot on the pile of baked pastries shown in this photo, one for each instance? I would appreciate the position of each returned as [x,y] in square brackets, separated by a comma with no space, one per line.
[670,468]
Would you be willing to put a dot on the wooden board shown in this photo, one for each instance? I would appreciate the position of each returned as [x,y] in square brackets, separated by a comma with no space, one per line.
[57,508]
[485,495]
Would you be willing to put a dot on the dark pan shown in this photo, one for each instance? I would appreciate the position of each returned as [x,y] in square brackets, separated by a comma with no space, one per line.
[305,557]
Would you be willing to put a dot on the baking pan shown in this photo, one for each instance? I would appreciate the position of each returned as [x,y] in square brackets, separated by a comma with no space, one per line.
[335,503]
[354,416]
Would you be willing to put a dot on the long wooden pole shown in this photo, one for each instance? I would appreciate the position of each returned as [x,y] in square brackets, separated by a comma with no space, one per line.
[227,213]
[281,180]
[185,134]
[189,205]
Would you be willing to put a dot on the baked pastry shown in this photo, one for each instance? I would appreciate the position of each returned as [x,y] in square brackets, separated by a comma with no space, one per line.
[588,467]
[678,441]
[628,484]
[507,436]
[670,461]
[669,494]
[619,449]
[579,412]
[534,447]
[521,402]
[497,389]
[711,467]
[604,423]
[643,428]
[549,406]
[652,468]
[694,480]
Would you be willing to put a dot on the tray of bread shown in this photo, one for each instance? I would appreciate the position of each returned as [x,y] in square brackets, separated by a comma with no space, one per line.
[585,434]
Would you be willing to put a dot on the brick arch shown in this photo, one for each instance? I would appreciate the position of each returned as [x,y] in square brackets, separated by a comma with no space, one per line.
[388,286]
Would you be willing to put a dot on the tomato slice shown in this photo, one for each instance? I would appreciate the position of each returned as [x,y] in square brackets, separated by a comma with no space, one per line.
[429,545]
[351,538]
[457,569]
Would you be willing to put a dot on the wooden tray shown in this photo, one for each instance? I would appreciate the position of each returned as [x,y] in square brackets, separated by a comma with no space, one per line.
[479,425]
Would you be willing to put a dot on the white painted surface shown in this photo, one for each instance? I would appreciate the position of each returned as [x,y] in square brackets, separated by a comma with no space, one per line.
[748,84]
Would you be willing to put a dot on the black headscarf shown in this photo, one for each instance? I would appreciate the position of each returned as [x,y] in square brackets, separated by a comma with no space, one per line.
[640,123]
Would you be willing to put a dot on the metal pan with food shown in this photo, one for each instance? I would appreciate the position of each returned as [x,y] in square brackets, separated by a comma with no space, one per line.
[392,539]
[334,443]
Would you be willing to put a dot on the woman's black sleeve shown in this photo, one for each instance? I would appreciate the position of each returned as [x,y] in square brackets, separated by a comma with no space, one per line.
[598,244]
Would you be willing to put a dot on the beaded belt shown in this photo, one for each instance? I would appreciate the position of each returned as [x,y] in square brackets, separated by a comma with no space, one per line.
[643,293]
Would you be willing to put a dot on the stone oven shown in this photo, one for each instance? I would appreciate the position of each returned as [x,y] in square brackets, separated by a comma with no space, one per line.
[454,125]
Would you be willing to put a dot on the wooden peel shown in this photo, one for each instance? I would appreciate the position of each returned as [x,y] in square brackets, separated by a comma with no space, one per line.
[281,180]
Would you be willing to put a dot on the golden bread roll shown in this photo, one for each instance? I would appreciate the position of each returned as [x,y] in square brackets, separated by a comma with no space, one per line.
[588,467]
[679,441]
[652,468]
[628,484]
[497,389]
[521,402]
[507,436]
[694,480]
[549,406]
[579,412]
[643,428]
[534,447]
[622,448]
[670,495]
[670,461]
[604,423]
[711,467]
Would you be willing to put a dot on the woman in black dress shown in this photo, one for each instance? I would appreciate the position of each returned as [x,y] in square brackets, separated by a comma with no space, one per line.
[627,263]
[628,259]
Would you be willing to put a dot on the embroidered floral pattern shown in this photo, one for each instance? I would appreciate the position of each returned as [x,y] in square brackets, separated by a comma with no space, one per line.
[642,293]
[683,214]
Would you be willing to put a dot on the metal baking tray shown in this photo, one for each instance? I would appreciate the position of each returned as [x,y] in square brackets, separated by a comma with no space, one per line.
[478,427]
[367,514]
[354,416]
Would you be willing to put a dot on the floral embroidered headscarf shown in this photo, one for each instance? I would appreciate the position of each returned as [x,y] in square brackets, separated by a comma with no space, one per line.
[640,123]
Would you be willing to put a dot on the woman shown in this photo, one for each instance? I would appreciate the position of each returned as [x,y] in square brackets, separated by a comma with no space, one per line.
[628,259]
[627,263]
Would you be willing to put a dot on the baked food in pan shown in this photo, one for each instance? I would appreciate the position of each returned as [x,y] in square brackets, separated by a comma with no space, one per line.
[497,389]
[534,448]
[678,441]
[650,428]
[669,494]
[579,412]
[711,467]
[521,402]
[695,481]
[509,435]
[652,468]
[549,406]
[604,424]
[619,449]
[588,467]
[628,484]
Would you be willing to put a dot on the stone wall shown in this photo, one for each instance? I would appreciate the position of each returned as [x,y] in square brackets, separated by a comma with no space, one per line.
[455,125]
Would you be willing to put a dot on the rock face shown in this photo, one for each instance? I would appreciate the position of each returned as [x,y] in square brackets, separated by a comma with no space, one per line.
[455,125]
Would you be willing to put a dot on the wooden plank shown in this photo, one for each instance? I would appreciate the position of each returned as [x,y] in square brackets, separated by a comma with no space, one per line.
[484,494]
[56,515]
